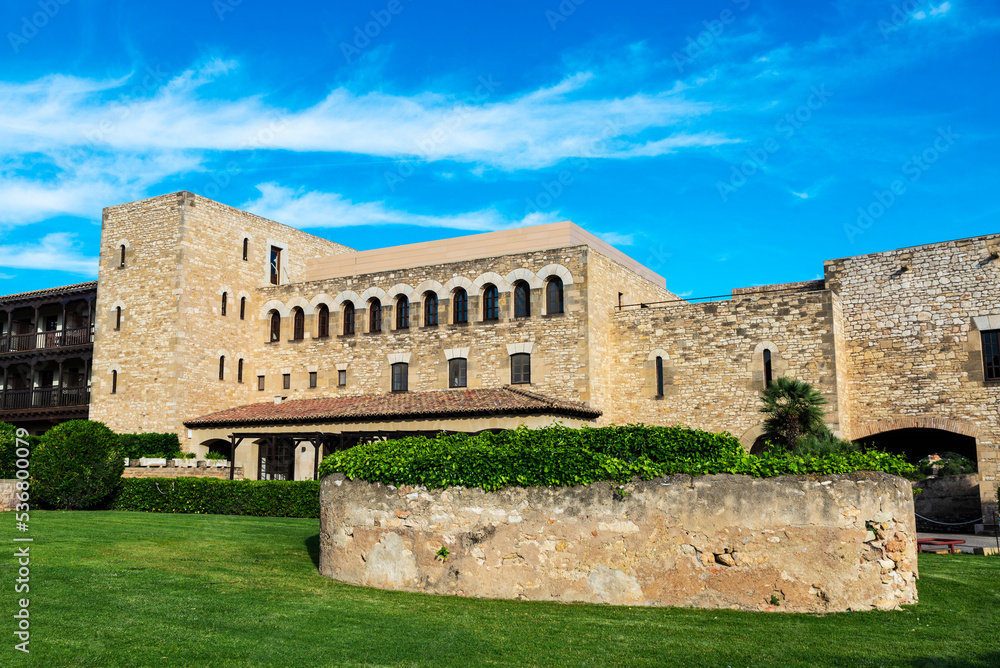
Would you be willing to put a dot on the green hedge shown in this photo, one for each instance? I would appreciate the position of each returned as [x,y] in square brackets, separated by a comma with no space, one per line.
[259,498]
[558,456]
[135,446]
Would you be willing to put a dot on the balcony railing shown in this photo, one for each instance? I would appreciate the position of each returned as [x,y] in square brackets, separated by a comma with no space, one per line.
[44,397]
[64,338]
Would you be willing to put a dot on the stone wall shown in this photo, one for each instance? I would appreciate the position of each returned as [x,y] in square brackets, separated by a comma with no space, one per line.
[790,544]
[8,500]
[171,471]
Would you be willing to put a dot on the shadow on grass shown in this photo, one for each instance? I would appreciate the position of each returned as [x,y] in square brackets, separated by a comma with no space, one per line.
[312,546]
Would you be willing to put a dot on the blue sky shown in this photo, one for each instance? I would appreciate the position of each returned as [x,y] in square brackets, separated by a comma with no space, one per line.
[722,144]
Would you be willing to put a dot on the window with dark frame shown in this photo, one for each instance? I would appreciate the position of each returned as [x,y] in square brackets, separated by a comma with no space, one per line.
[118,318]
[313,379]
[431,310]
[260,383]
[554,296]
[457,372]
[275,327]
[243,308]
[225,302]
[239,371]
[402,312]
[522,300]
[342,378]
[246,249]
[121,261]
[286,381]
[114,382]
[659,376]
[299,324]
[460,306]
[275,265]
[323,322]
[374,316]
[400,374]
[520,369]
[348,318]
[991,354]
[768,369]
[222,368]
[491,303]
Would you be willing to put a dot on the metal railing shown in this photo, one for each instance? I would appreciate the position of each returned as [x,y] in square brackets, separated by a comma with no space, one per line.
[687,301]
[44,397]
[63,338]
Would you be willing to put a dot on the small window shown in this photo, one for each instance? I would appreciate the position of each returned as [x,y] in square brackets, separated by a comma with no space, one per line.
[457,372]
[991,354]
[460,306]
[348,318]
[118,318]
[225,302]
[222,368]
[298,324]
[659,376]
[260,383]
[239,371]
[520,369]
[275,265]
[313,378]
[768,369]
[342,378]
[286,381]
[554,296]
[114,382]
[522,300]
[374,316]
[246,249]
[491,303]
[275,327]
[243,308]
[121,261]
[402,313]
[431,310]
[323,322]
[400,373]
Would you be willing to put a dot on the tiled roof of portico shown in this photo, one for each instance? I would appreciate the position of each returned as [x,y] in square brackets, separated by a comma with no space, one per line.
[451,403]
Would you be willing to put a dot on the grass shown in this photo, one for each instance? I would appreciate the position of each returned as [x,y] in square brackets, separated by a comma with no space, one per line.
[134,589]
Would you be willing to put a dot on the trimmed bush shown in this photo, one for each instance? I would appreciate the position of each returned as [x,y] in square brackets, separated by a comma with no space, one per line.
[558,456]
[76,464]
[259,498]
[135,446]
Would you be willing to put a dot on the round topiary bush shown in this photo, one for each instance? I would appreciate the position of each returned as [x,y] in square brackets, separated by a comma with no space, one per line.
[76,465]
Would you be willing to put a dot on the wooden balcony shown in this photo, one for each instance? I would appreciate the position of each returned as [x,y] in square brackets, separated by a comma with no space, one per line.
[13,344]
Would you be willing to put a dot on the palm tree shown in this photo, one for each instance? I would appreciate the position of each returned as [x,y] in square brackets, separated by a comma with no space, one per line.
[794,409]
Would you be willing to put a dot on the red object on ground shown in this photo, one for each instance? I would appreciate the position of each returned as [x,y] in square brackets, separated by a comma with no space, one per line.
[938,542]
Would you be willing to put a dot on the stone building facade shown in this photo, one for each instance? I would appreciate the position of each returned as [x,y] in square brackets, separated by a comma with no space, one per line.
[230,325]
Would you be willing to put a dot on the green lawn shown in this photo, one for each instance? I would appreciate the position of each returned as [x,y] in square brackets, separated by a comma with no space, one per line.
[133,589]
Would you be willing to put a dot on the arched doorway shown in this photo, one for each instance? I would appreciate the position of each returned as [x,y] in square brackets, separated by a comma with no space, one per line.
[916,443]
[219,445]
[276,459]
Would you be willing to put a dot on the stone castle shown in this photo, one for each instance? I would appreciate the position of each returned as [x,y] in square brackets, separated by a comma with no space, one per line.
[274,346]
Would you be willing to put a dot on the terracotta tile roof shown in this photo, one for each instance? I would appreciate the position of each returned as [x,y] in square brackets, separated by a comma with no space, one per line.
[77,287]
[506,401]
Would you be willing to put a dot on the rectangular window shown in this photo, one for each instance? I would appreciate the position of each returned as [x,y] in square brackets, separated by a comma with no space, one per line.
[312,379]
[239,372]
[659,376]
[342,378]
[457,371]
[275,265]
[286,381]
[260,383]
[991,354]
[520,369]
[400,380]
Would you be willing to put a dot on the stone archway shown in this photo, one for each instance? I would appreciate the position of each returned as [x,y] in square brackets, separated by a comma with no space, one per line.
[751,436]
[915,422]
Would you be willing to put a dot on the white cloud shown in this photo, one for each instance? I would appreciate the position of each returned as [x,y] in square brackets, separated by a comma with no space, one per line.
[312,209]
[58,250]
[617,239]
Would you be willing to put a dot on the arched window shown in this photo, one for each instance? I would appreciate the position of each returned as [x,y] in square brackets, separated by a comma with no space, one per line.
[659,376]
[400,377]
[243,308]
[121,261]
[491,302]
[374,316]
[323,322]
[768,369]
[225,302]
[458,372]
[554,296]
[114,382]
[239,371]
[460,306]
[522,300]
[222,368]
[246,249]
[430,309]
[275,327]
[298,324]
[118,318]
[402,312]
[520,369]
[348,318]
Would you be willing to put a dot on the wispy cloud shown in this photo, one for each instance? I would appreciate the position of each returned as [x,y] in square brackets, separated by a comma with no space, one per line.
[58,250]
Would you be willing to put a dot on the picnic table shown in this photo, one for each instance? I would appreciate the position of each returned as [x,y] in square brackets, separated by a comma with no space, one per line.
[938,542]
